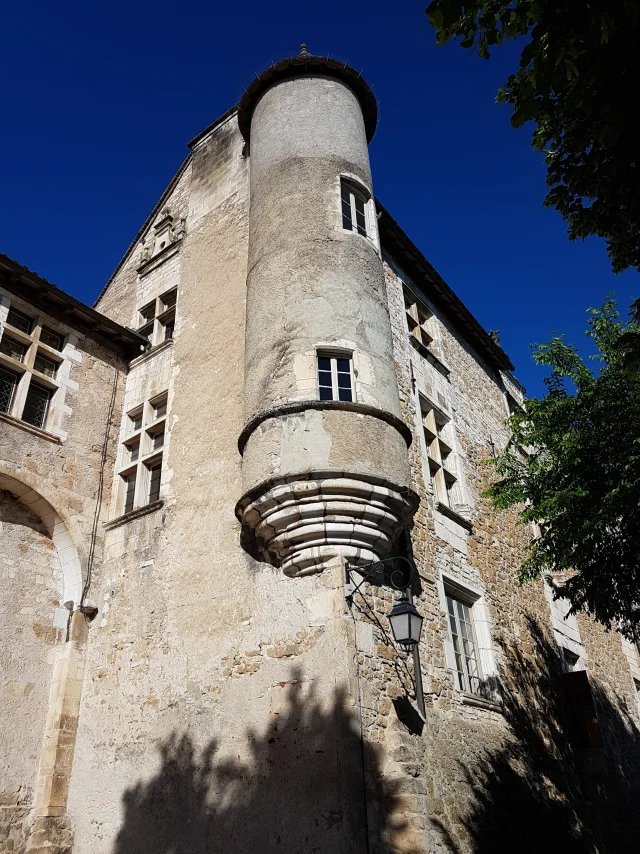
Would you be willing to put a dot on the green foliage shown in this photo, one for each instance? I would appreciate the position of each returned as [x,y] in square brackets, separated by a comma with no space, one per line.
[578,81]
[580,473]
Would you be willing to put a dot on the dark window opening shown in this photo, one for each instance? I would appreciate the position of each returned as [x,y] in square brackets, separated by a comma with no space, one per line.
[36,405]
[130,490]
[12,348]
[20,321]
[50,338]
[8,383]
[154,482]
[584,729]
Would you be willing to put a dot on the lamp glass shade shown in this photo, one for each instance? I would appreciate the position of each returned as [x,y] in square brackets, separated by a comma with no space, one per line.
[406,623]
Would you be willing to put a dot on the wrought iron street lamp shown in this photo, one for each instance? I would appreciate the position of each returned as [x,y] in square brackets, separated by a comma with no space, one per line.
[406,623]
[405,619]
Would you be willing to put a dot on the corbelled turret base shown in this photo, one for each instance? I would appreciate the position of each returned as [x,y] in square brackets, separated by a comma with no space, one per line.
[301,522]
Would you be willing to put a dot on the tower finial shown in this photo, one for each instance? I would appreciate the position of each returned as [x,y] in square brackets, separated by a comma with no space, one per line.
[303,50]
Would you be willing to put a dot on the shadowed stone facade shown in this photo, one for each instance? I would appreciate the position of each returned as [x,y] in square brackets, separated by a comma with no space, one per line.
[274,386]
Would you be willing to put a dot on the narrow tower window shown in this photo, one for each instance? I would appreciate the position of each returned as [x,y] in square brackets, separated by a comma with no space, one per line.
[335,377]
[354,209]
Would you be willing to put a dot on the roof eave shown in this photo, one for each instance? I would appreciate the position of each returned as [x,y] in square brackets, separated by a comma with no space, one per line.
[54,302]
[410,258]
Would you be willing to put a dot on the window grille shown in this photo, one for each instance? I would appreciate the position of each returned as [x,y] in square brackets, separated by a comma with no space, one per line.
[45,366]
[12,348]
[335,377]
[20,321]
[8,383]
[465,647]
[50,338]
[36,405]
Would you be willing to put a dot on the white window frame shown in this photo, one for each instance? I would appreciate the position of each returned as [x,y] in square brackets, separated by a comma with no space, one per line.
[333,357]
[357,190]
[450,587]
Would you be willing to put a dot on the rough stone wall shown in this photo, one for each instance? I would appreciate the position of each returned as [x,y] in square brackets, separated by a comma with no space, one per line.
[31,590]
[483,776]
[217,709]
[49,504]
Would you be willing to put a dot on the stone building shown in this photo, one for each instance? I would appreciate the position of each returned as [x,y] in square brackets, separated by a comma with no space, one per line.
[274,388]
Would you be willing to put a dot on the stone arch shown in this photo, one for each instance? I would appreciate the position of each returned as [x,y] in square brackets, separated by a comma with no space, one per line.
[44,827]
[63,531]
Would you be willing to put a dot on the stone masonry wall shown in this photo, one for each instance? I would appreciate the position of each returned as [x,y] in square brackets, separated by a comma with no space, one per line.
[31,590]
[49,503]
[471,780]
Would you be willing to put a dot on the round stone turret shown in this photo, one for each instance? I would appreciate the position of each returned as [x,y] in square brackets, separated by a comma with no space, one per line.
[324,448]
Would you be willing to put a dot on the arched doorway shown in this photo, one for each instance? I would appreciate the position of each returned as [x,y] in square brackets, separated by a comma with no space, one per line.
[41,657]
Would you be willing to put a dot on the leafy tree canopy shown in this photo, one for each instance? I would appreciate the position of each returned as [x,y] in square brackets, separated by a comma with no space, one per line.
[574,463]
[578,81]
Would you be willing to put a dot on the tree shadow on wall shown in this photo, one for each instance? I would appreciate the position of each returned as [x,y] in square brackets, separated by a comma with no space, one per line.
[542,793]
[301,790]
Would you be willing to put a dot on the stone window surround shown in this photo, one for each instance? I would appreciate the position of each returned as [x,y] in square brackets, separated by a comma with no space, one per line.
[147,456]
[415,306]
[462,508]
[440,449]
[372,237]
[335,353]
[475,599]
[64,359]
[565,629]
[163,307]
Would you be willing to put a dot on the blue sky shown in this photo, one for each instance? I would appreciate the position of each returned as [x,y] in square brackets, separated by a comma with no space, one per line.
[98,104]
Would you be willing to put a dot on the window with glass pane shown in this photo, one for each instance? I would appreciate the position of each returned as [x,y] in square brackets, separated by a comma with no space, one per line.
[129,487]
[135,420]
[168,327]
[36,405]
[159,409]
[334,377]
[45,366]
[353,209]
[12,348]
[168,300]
[465,647]
[155,471]
[8,383]
[133,451]
[50,338]
[20,321]
[157,440]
